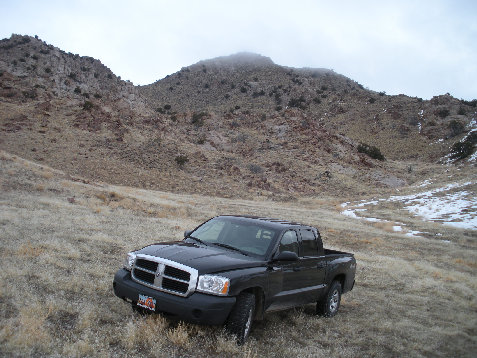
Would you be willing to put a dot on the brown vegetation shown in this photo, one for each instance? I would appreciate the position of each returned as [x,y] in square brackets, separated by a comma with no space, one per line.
[413,296]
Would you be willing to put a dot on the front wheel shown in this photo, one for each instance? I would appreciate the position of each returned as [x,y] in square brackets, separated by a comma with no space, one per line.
[328,306]
[240,319]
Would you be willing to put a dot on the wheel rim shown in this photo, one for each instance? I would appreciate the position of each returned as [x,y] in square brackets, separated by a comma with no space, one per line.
[334,301]
[248,324]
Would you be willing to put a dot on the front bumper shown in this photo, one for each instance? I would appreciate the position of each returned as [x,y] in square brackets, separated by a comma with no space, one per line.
[197,308]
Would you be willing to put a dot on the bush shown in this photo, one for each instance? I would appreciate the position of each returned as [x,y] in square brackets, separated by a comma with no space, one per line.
[110,76]
[462,150]
[167,107]
[88,105]
[97,95]
[370,151]
[371,100]
[72,75]
[48,70]
[443,113]
[77,90]
[461,111]
[456,128]
[181,160]
[472,103]
[255,169]
[297,102]
[243,89]
[198,118]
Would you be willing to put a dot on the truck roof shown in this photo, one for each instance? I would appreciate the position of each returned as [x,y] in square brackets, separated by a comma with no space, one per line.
[278,223]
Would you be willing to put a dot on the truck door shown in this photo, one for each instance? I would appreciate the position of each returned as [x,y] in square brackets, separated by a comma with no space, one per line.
[313,266]
[287,277]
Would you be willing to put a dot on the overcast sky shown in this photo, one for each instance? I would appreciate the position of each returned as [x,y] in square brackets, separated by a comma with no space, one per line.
[418,47]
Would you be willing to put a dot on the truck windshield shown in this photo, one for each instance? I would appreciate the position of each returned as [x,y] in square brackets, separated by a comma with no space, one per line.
[245,236]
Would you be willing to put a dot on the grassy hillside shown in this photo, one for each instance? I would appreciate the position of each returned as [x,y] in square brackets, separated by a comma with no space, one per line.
[63,237]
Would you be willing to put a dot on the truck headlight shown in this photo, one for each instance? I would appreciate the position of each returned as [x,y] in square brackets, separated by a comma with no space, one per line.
[216,285]
[129,262]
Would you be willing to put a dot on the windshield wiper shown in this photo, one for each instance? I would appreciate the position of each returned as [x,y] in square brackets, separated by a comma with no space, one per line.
[196,239]
[231,248]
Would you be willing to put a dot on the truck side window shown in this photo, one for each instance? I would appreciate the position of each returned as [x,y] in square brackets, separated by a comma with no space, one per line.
[308,243]
[289,242]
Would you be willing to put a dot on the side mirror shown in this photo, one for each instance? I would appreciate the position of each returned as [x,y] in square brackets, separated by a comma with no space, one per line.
[187,233]
[286,256]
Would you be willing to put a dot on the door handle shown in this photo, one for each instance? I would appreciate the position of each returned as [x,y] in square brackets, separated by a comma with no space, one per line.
[321,265]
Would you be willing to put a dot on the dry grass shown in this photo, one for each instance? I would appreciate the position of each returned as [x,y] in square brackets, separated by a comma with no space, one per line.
[414,297]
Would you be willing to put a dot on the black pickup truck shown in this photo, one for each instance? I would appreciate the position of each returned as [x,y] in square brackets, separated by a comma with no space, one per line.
[233,269]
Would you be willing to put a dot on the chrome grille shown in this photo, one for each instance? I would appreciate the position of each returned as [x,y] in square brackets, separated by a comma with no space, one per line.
[164,275]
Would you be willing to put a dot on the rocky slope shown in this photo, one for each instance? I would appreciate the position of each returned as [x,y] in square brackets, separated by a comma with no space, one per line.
[232,126]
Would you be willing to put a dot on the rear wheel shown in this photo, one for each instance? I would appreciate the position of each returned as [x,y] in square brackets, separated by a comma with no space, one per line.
[240,319]
[328,306]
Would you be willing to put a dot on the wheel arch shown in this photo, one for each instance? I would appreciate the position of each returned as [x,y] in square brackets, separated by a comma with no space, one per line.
[259,294]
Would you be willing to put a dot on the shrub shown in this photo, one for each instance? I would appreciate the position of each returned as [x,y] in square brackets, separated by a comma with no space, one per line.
[72,75]
[97,95]
[167,107]
[77,90]
[30,94]
[472,103]
[461,150]
[48,70]
[371,100]
[88,105]
[181,160]
[461,111]
[382,93]
[160,110]
[443,113]
[96,75]
[456,128]
[255,169]
[198,118]
[35,57]
[317,100]
[110,76]
[297,102]
[278,108]
[370,151]
[243,89]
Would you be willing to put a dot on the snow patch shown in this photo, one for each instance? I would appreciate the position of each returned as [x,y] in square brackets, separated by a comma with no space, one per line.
[457,209]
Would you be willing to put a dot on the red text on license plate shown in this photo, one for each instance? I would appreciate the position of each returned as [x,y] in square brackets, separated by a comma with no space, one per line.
[146,302]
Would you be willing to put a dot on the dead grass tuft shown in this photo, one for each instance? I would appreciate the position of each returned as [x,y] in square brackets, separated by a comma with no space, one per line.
[30,250]
[179,335]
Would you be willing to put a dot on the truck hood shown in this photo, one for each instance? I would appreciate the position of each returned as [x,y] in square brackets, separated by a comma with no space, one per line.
[205,259]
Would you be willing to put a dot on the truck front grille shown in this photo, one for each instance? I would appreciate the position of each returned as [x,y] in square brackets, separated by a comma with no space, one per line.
[164,275]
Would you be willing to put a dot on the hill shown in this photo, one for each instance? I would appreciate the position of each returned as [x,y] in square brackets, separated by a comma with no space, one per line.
[236,126]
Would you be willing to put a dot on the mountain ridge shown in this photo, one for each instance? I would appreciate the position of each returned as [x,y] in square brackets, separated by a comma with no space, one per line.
[223,129]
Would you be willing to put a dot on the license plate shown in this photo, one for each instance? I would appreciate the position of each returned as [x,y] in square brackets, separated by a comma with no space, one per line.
[147,302]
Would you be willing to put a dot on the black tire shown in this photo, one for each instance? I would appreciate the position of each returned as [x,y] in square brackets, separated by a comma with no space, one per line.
[329,305]
[240,319]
